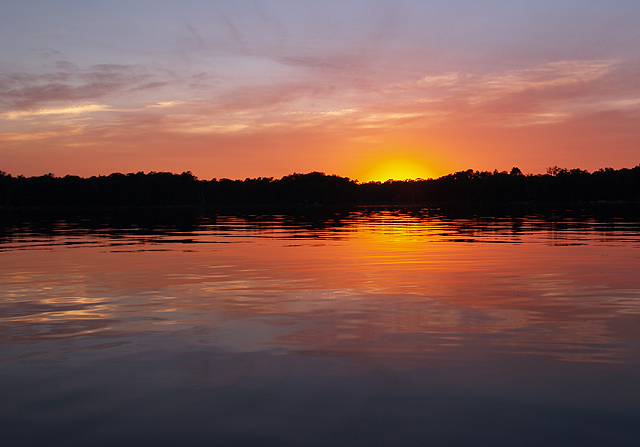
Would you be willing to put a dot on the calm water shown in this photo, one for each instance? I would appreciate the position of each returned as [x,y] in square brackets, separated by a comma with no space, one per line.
[371,327]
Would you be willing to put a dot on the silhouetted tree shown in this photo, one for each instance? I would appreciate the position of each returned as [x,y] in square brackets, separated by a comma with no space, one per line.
[164,189]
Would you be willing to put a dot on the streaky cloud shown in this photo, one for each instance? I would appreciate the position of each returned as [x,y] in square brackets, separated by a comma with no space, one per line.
[69,83]
[71,110]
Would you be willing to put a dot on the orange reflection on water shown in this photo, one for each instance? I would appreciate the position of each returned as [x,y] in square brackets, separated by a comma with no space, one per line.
[383,286]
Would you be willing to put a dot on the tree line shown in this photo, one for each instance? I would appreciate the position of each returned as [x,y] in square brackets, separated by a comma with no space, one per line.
[165,189]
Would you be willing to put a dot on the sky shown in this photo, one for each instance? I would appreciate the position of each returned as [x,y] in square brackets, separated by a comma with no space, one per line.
[368,90]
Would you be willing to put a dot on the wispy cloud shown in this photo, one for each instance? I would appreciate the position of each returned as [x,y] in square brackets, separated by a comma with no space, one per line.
[71,110]
[69,83]
[164,104]
[546,93]
[8,137]
[436,81]
[545,77]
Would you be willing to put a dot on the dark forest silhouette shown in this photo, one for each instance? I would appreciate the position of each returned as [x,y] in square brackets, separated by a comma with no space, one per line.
[164,189]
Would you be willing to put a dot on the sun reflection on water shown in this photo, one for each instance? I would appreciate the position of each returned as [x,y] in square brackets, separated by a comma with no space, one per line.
[371,326]
[384,284]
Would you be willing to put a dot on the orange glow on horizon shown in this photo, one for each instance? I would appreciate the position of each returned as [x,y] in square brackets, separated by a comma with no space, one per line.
[396,168]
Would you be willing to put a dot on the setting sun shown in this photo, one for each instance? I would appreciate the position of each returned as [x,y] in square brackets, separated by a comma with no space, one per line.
[397,169]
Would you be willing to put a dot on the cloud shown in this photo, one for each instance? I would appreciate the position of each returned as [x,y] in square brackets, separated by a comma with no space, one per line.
[69,83]
[435,81]
[13,137]
[327,96]
[71,110]
[546,93]
[557,91]
[549,76]
[164,104]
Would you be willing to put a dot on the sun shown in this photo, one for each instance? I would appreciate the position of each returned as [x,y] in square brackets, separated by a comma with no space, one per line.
[397,169]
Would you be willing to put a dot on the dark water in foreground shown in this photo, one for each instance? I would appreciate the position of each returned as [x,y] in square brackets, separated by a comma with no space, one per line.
[369,328]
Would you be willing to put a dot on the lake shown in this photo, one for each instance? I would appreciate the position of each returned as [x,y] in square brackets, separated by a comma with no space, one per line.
[363,327]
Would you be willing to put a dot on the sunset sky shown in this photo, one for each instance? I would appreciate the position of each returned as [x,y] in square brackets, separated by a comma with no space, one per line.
[363,89]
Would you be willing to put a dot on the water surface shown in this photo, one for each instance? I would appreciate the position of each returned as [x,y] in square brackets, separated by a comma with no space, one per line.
[369,327]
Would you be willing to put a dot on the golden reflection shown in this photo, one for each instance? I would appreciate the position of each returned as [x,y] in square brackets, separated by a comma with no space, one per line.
[388,285]
[398,231]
